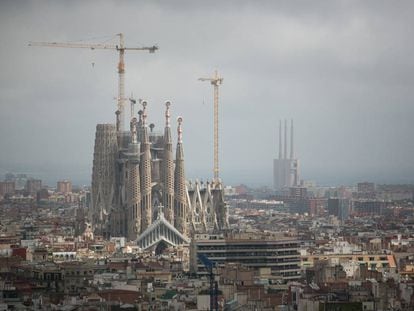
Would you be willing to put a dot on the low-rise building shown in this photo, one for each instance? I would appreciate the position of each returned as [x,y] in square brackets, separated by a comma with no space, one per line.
[281,255]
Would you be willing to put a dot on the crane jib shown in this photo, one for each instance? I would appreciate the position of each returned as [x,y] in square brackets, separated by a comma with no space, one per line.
[121,69]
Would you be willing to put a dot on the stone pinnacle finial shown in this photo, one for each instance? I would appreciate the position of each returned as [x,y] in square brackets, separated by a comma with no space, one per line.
[134,132]
[144,113]
[118,120]
[180,130]
[160,211]
[167,113]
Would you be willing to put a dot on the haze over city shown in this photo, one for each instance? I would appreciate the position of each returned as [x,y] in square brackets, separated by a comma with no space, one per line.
[206,155]
[342,70]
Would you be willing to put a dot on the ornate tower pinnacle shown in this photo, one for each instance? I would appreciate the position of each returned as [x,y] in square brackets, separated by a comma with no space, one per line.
[168,169]
[180,130]
[167,113]
[145,172]
[139,125]
[144,113]
[180,191]
[134,133]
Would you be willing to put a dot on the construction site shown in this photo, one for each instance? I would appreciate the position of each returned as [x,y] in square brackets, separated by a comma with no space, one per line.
[137,183]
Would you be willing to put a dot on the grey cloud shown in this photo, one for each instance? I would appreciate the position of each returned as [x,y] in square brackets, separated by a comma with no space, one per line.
[342,70]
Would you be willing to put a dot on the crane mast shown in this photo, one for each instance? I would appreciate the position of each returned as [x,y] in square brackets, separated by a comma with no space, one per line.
[121,63]
[121,81]
[216,80]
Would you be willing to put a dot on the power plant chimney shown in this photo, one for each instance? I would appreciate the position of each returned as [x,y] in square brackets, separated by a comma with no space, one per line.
[280,139]
[291,139]
[285,146]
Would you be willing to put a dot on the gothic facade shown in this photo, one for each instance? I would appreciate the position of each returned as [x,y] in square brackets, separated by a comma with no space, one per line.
[136,182]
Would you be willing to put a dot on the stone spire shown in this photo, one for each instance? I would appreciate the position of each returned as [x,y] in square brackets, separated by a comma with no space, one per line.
[145,172]
[168,169]
[103,177]
[139,126]
[134,134]
[180,192]
[133,188]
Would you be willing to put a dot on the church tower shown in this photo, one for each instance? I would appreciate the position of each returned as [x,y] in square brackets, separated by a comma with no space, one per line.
[180,191]
[168,169]
[133,190]
[103,177]
[145,172]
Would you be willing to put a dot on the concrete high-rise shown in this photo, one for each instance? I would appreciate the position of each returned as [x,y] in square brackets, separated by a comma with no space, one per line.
[33,185]
[285,169]
[7,187]
[339,207]
[279,255]
[64,186]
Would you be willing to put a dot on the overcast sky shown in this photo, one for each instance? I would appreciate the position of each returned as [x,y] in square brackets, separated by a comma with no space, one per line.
[343,70]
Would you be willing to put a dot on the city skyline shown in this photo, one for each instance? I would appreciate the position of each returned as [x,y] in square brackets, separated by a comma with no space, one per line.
[342,71]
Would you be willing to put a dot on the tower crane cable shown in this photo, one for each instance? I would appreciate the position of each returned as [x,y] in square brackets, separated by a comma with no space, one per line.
[121,48]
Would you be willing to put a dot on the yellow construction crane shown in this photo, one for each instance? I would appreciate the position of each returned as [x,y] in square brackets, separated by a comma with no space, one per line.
[216,80]
[121,64]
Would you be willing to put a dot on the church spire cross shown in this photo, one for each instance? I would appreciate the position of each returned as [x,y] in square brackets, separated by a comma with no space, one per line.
[134,130]
[167,113]
[180,130]
[144,113]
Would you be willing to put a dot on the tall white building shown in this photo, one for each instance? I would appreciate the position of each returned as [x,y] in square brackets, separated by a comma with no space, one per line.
[285,169]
